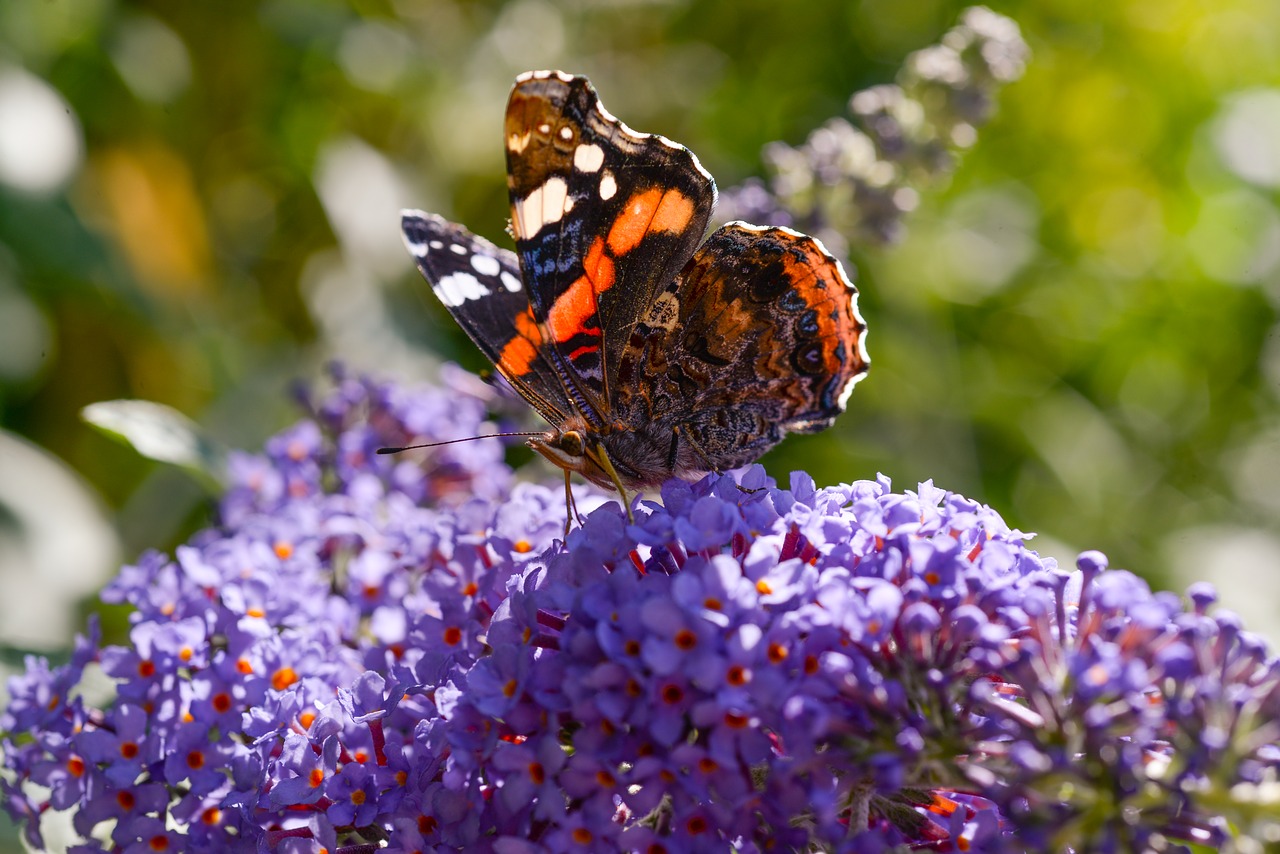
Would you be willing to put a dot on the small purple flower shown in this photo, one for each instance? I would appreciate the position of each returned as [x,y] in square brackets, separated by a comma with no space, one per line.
[194,760]
[124,747]
[304,769]
[353,792]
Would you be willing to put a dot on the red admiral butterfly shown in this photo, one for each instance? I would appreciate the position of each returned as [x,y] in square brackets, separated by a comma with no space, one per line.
[650,355]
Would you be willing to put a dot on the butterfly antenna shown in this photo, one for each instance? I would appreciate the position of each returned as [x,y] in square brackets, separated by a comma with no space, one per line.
[455,441]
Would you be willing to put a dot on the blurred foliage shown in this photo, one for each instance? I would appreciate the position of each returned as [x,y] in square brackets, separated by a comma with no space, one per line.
[199,203]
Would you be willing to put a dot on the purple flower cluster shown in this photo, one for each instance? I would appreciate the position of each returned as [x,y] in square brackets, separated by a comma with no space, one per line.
[855,181]
[401,654]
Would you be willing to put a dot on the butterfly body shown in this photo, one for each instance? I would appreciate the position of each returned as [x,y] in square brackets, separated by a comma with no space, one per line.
[652,354]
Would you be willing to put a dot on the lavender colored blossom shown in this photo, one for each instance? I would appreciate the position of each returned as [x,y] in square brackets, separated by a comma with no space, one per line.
[367,656]
[852,182]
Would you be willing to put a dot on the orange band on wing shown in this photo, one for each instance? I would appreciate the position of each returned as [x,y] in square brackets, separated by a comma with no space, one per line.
[633,222]
[572,310]
[577,305]
[518,355]
[599,267]
[674,213]
[649,211]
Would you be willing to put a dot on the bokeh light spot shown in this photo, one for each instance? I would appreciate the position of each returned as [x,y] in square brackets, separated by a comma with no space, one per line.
[40,144]
[152,60]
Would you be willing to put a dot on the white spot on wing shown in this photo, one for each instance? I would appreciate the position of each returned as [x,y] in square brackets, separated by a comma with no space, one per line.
[510,282]
[518,142]
[543,206]
[456,288]
[588,158]
[485,265]
[566,133]
[544,128]
[608,186]
[436,244]
[457,249]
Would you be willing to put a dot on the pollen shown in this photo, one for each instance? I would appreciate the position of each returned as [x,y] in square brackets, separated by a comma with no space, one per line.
[283,678]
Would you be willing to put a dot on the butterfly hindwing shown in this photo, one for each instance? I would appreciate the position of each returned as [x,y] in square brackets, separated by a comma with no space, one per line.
[603,217]
[481,287]
[758,336]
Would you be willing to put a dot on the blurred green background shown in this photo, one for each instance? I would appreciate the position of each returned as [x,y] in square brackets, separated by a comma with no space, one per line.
[199,203]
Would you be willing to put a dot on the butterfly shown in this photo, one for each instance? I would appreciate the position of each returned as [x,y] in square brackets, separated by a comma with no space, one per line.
[652,353]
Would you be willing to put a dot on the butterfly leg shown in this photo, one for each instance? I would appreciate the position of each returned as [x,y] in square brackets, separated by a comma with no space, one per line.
[605,463]
[570,505]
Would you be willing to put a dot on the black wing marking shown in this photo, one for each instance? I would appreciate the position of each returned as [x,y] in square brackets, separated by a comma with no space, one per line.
[480,285]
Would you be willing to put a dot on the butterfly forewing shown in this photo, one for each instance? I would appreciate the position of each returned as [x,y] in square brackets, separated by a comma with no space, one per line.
[603,217]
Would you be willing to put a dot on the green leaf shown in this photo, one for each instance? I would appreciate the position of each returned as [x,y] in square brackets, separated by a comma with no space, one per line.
[162,433]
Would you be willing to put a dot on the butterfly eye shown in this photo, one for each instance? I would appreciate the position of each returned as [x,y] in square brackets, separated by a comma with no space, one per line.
[571,443]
